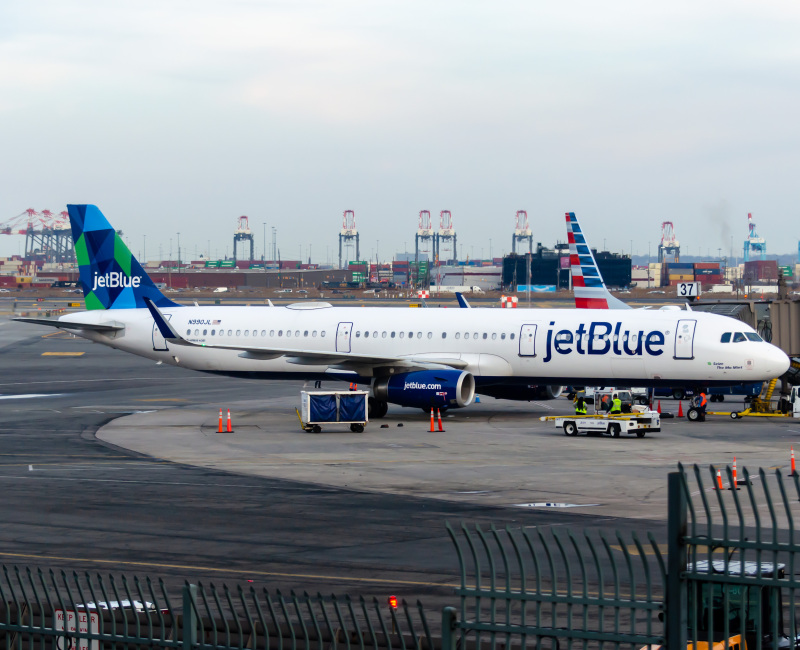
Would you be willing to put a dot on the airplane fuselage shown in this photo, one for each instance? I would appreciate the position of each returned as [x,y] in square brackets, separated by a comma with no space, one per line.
[536,346]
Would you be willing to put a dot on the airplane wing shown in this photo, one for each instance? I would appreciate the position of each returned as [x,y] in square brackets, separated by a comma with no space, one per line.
[111,326]
[307,357]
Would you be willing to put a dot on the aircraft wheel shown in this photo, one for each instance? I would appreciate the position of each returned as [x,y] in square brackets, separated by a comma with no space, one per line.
[570,429]
[384,409]
[615,430]
[376,408]
[692,414]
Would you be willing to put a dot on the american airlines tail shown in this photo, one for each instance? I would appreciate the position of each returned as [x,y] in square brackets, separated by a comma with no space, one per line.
[110,276]
[587,283]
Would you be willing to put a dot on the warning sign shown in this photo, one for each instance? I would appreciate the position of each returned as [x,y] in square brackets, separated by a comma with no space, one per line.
[83,622]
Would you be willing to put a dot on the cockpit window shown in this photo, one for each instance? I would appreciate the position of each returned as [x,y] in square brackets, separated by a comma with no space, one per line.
[726,338]
[738,337]
[752,336]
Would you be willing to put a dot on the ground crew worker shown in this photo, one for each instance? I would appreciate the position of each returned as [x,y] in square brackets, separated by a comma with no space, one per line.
[701,403]
[616,406]
[604,403]
[580,406]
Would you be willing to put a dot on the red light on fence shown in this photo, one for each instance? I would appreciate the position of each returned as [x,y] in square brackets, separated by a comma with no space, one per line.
[393,602]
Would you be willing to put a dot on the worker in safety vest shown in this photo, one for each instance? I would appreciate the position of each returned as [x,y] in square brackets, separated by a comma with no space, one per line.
[580,406]
[616,406]
[701,401]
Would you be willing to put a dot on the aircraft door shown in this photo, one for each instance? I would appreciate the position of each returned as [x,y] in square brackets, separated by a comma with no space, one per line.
[159,342]
[684,339]
[527,340]
[343,337]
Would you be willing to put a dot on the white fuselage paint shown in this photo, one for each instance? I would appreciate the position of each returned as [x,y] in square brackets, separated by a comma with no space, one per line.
[548,346]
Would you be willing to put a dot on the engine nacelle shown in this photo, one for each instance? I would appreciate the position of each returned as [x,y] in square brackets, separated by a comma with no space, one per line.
[522,392]
[426,388]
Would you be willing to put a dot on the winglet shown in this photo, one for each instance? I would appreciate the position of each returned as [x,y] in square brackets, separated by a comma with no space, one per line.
[587,283]
[167,331]
[462,301]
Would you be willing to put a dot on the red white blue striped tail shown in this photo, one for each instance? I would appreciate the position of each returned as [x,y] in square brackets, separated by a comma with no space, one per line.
[587,283]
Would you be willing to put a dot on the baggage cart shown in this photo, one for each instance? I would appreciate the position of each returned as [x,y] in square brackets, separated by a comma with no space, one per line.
[324,407]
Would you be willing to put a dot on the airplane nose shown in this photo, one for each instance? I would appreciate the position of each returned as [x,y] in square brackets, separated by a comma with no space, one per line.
[777,362]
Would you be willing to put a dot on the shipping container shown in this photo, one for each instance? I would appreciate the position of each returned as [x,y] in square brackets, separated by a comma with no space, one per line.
[706,265]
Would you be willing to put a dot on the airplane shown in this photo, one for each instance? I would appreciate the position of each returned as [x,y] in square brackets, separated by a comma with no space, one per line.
[419,358]
[587,282]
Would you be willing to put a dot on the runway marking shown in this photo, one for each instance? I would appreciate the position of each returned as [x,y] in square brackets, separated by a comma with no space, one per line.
[30,396]
[63,354]
[256,572]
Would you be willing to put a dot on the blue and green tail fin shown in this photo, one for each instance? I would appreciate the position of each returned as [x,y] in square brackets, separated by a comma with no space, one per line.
[110,276]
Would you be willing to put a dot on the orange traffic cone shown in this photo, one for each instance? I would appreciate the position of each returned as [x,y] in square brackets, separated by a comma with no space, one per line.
[439,415]
[659,407]
[794,469]
[432,428]
[719,480]
[230,428]
[680,409]
[734,483]
[220,422]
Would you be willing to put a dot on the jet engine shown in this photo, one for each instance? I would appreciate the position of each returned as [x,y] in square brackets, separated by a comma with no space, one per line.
[426,388]
[522,392]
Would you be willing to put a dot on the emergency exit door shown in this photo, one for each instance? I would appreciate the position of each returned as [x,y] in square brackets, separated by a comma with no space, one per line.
[684,339]
[343,337]
[527,340]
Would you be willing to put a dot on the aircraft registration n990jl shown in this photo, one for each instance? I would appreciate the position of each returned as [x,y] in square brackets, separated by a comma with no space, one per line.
[410,357]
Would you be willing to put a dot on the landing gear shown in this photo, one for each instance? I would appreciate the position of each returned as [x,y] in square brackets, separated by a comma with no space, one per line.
[377,408]
[695,415]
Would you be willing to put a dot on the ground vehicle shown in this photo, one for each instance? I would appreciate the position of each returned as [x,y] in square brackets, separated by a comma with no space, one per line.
[284,291]
[633,419]
[302,291]
[319,407]
[760,406]
[753,610]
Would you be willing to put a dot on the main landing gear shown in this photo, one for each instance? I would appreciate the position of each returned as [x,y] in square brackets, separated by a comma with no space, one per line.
[377,408]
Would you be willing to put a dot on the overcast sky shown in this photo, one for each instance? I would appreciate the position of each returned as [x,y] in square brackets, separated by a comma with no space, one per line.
[181,116]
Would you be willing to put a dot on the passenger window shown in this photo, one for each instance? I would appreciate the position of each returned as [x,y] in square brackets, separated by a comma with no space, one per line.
[485,335]
[358,334]
[738,337]
[314,333]
[726,338]
[272,332]
[197,332]
[205,332]
[419,335]
[213,332]
[752,336]
[430,335]
[494,335]
[263,332]
[322,333]
[444,335]
[411,335]
[374,335]
[188,332]
[297,332]
[247,332]
[288,332]
[458,335]
[393,333]
[383,335]
[512,336]
[305,333]
[366,335]
[402,334]
[230,332]
[466,335]
[502,336]
[238,332]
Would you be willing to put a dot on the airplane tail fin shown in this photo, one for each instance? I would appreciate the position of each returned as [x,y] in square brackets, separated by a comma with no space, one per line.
[587,283]
[110,276]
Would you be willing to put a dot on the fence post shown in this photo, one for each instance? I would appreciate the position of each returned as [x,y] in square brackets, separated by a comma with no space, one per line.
[449,627]
[189,617]
[676,605]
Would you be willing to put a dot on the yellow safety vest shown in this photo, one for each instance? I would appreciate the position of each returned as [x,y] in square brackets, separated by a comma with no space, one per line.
[616,405]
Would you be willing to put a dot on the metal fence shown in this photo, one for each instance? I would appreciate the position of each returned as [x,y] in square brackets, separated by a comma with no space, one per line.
[85,612]
[727,582]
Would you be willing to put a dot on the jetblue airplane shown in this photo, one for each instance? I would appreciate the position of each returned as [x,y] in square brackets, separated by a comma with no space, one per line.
[409,357]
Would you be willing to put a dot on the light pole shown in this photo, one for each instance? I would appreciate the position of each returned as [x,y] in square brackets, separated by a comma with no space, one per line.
[179,250]
[264,254]
[144,249]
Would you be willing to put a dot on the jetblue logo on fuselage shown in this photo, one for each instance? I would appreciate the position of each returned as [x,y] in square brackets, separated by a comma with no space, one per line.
[115,279]
[603,338]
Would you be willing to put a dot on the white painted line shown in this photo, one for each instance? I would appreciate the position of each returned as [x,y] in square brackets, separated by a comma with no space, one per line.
[544,504]
[30,396]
